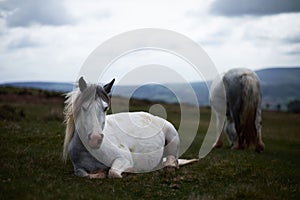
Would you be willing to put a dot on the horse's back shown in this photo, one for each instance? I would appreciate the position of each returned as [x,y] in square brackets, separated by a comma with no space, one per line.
[238,84]
[136,124]
[136,131]
[234,83]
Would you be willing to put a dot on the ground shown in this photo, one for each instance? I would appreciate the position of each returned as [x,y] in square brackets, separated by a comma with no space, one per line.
[32,132]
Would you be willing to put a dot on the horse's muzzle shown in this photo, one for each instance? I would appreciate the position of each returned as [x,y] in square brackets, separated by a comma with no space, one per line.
[95,140]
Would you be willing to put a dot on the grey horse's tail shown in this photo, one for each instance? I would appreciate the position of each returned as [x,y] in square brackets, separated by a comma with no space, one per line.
[250,99]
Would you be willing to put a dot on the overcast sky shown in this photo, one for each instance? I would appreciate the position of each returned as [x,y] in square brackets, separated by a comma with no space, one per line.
[50,40]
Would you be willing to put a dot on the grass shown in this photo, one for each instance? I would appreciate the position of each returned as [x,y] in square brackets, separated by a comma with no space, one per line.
[31,165]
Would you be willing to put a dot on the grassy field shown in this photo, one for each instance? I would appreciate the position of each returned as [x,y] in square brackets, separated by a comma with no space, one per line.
[32,132]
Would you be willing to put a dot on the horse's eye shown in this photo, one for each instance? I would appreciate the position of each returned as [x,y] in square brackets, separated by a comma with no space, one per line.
[105,108]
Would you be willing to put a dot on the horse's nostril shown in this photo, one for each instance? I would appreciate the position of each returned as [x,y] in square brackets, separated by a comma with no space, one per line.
[93,136]
[95,139]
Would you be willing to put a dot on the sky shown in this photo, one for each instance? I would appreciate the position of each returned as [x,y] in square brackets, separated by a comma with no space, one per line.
[50,40]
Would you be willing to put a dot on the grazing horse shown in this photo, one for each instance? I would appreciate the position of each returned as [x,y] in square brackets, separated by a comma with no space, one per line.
[123,142]
[243,111]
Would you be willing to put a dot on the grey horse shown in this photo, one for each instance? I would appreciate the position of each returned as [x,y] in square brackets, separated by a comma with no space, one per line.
[243,108]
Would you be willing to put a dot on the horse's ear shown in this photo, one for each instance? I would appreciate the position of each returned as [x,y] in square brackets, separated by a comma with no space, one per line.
[108,86]
[82,84]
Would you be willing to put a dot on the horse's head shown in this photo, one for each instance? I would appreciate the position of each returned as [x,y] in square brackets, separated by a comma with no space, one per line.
[90,107]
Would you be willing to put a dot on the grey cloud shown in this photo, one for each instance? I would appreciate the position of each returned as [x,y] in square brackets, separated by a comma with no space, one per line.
[217,38]
[293,40]
[254,35]
[23,13]
[21,43]
[234,8]
[294,51]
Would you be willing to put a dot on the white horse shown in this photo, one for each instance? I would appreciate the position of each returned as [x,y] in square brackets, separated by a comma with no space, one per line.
[123,142]
[243,112]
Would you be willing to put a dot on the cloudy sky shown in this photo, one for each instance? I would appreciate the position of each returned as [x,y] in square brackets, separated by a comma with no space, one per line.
[50,40]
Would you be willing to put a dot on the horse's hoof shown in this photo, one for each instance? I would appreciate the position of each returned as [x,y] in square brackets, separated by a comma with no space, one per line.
[114,174]
[259,147]
[98,174]
[171,161]
[237,147]
[218,145]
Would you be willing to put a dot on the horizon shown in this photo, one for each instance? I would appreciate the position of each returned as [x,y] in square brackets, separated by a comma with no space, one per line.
[271,79]
[74,82]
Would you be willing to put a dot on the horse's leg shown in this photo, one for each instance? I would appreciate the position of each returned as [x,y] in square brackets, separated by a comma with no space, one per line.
[171,164]
[98,174]
[259,143]
[232,136]
[119,166]
[81,172]
[239,144]
[218,143]
[231,132]
[218,106]
[171,149]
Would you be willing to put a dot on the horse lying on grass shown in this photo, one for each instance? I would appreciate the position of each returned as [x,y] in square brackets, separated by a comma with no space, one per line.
[131,142]
[243,112]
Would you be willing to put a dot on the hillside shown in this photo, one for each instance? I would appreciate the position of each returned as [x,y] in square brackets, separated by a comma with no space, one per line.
[279,86]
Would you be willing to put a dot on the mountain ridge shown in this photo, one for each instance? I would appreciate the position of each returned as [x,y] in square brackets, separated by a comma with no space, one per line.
[279,86]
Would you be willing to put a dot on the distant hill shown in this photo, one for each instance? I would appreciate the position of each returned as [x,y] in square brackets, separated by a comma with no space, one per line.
[50,86]
[158,92]
[279,76]
[279,86]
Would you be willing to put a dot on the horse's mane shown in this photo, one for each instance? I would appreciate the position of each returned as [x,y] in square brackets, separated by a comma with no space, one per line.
[69,120]
[74,100]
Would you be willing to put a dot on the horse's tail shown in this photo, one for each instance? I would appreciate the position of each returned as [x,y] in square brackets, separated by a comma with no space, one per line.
[250,99]
[68,135]
[186,161]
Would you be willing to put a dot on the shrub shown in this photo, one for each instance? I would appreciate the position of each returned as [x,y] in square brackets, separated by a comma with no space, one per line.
[11,113]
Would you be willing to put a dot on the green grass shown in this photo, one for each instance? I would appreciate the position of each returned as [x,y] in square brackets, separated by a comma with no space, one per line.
[31,165]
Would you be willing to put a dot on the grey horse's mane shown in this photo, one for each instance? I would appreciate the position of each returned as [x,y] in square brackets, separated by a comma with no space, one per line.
[74,101]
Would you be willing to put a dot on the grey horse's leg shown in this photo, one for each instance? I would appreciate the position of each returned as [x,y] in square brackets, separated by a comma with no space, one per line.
[119,166]
[218,143]
[231,132]
[171,149]
[258,125]
[98,174]
[81,172]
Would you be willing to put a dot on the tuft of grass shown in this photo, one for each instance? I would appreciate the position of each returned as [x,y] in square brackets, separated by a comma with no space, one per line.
[31,165]
[11,113]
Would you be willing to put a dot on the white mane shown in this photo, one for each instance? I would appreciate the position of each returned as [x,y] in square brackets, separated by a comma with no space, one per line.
[69,120]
